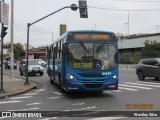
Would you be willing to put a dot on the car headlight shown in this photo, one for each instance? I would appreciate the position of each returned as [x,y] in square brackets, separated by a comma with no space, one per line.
[71,77]
[29,68]
[41,68]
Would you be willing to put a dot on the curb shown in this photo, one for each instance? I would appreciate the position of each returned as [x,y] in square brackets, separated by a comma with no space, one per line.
[19,93]
[37,85]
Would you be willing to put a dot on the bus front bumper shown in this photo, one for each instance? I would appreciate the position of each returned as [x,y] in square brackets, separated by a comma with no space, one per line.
[93,86]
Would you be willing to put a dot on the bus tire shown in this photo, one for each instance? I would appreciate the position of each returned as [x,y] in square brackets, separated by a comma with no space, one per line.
[51,80]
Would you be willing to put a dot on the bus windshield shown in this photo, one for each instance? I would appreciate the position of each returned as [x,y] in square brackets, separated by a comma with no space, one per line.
[92,56]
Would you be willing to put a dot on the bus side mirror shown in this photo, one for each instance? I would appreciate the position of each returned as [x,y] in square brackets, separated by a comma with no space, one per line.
[65,49]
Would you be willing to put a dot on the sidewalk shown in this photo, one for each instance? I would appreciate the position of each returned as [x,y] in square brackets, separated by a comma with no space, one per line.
[15,86]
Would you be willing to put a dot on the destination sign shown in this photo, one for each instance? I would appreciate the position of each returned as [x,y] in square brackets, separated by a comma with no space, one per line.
[90,36]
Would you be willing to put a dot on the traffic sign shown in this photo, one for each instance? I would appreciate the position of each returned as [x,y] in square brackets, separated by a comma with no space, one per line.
[4,13]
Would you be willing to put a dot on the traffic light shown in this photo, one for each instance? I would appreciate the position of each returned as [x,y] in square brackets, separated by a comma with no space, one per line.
[83,9]
[3,31]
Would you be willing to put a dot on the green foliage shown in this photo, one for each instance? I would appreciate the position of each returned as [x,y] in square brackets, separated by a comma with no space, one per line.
[18,50]
[151,49]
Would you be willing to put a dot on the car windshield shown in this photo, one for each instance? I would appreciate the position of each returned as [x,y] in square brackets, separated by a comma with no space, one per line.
[34,62]
[92,56]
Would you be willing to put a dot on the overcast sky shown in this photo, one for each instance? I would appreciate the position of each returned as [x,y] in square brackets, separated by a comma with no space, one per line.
[28,11]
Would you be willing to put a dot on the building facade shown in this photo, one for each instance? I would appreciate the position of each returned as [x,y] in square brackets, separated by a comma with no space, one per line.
[130,49]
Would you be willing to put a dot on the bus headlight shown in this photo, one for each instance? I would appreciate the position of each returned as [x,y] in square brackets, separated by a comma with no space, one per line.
[114,77]
[71,77]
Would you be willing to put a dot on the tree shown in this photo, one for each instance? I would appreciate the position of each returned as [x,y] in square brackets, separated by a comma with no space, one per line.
[18,50]
[151,49]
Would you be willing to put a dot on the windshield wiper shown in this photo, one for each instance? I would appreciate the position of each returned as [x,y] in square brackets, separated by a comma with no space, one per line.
[81,43]
[100,47]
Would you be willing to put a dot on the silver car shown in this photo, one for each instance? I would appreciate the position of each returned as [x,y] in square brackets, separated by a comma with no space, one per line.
[33,67]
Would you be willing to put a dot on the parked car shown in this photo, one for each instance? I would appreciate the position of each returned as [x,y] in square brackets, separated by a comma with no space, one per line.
[148,68]
[8,65]
[33,67]
[42,62]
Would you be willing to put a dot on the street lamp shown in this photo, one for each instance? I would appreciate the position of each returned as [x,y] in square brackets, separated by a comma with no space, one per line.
[73,7]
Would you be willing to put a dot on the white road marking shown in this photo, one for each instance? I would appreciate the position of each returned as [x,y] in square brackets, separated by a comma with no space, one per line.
[130,89]
[24,109]
[37,103]
[106,91]
[54,97]
[143,84]
[3,117]
[49,118]
[15,101]
[107,118]
[58,93]
[135,86]
[40,90]
[78,104]
[86,108]
[148,82]
[31,94]
[20,97]
[117,90]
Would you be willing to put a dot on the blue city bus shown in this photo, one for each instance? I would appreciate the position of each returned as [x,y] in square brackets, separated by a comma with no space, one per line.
[84,61]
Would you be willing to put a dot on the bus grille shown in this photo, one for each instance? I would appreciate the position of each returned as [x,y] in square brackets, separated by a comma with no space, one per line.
[93,85]
[89,80]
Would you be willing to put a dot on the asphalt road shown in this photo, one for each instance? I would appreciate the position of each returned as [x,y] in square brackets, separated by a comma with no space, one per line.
[50,98]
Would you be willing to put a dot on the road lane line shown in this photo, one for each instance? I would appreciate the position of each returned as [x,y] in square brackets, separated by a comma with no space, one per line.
[49,118]
[78,104]
[20,97]
[6,102]
[31,94]
[86,108]
[37,103]
[58,93]
[148,82]
[3,117]
[130,89]
[135,86]
[116,90]
[107,118]
[40,90]
[24,109]
[54,97]
[143,84]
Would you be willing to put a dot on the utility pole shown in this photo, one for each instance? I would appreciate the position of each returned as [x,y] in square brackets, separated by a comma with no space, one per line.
[128,24]
[12,39]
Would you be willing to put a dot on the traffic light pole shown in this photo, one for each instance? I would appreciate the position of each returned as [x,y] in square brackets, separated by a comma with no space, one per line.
[2,90]
[28,28]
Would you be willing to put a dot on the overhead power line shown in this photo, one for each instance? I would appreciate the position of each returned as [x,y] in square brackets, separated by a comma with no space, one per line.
[143,10]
